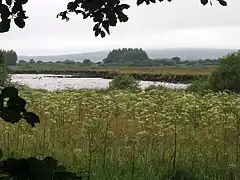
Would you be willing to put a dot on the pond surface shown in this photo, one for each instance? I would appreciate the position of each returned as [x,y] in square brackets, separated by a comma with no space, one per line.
[43,81]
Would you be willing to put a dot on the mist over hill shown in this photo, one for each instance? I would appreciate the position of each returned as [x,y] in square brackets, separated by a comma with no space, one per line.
[184,54]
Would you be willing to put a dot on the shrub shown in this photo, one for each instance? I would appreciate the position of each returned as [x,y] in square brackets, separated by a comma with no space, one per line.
[4,76]
[124,82]
[199,85]
[227,76]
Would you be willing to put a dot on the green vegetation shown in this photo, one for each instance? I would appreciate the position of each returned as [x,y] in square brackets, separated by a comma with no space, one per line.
[4,76]
[227,76]
[124,82]
[123,135]
[11,57]
[224,78]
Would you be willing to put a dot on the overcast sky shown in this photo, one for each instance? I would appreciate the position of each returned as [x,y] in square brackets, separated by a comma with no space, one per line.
[178,24]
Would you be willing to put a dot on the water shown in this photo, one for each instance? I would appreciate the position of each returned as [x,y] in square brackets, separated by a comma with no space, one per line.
[40,81]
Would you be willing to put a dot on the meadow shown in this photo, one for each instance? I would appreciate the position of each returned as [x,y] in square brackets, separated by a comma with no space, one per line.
[155,134]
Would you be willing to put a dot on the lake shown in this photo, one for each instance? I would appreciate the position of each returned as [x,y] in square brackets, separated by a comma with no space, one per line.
[43,81]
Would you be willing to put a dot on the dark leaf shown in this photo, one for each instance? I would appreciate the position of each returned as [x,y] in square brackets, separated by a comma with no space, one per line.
[86,15]
[96,26]
[72,6]
[97,32]
[22,1]
[139,2]
[9,2]
[19,22]
[153,1]
[17,104]
[98,17]
[204,2]
[9,115]
[78,11]
[31,118]
[9,92]
[103,34]
[22,15]
[16,8]
[112,20]
[105,25]
[147,2]
[222,2]
[4,11]
[124,6]
[5,25]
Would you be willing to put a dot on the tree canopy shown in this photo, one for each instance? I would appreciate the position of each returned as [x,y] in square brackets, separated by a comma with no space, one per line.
[124,55]
[105,13]
[11,57]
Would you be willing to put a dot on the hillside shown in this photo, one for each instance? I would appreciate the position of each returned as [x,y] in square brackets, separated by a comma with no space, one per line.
[185,54]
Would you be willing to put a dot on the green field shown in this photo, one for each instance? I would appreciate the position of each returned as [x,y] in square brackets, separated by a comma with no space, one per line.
[125,136]
[161,69]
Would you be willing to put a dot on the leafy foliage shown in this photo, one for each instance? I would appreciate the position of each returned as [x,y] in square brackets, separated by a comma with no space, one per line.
[12,107]
[105,13]
[35,169]
[124,82]
[227,76]
[12,9]
[121,56]
[10,57]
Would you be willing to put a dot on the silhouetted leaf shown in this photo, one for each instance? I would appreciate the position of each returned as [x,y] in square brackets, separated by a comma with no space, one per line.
[139,2]
[222,2]
[124,6]
[31,118]
[16,103]
[98,17]
[5,25]
[19,22]
[97,32]
[153,1]
[4,11]
[50,162]
[103,34]
[204,2]
[16,8]
[22,1]
[96,26]
[9,115]
[9,92]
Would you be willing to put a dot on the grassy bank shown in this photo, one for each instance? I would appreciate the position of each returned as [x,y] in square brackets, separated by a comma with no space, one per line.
[126,136]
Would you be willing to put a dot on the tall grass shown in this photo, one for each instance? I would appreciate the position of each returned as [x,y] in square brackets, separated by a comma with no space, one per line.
[156,134]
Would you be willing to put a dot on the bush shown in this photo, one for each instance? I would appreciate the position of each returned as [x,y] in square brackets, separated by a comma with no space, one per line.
[227,76]
[124,82]
[4,76]
[199,85]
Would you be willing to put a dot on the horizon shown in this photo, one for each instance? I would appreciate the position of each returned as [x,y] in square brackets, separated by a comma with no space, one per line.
[152,49]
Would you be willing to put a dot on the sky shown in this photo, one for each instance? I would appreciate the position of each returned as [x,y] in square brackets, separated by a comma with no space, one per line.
[176,24]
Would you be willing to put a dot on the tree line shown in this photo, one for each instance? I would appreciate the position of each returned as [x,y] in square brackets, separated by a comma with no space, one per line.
[10,56]
[131,57]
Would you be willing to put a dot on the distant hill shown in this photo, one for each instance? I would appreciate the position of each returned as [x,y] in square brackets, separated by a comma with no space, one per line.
[184,54]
